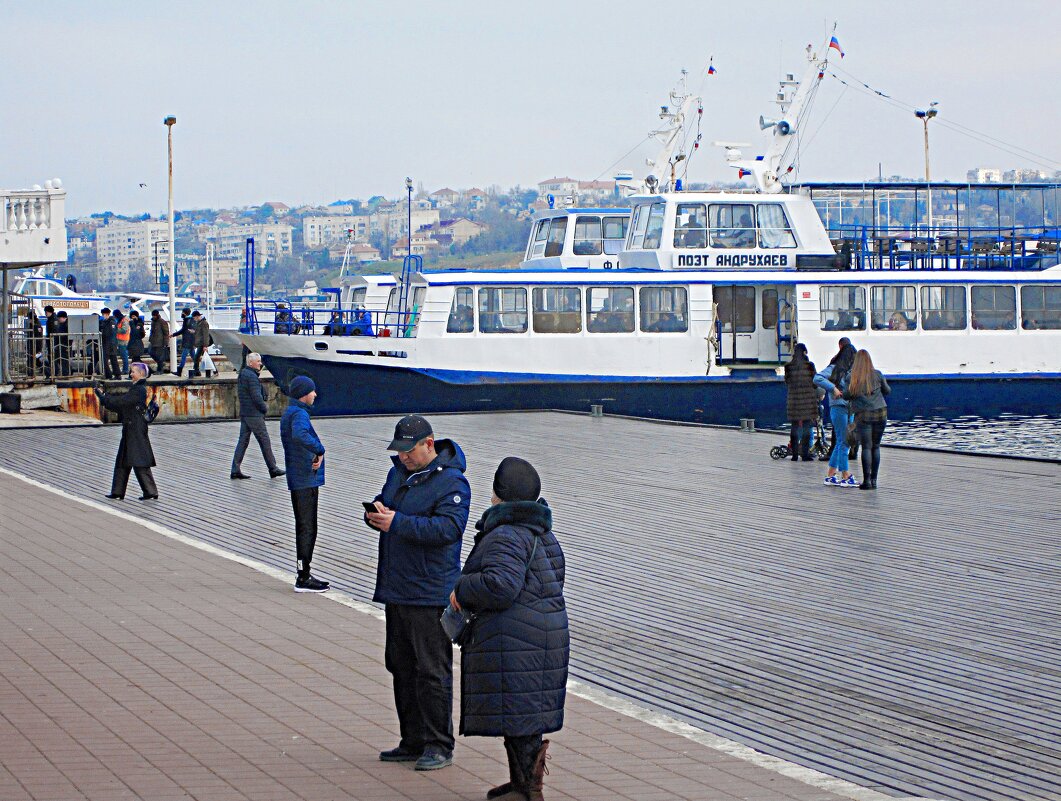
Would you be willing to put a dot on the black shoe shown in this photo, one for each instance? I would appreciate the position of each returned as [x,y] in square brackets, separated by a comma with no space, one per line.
[310,584]
[114,497]
[277,473]
[399,754]
[866,485]
[433,759]
[149,497]
[238,474]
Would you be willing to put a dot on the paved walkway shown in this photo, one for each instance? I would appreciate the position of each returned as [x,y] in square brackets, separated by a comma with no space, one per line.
[137,665]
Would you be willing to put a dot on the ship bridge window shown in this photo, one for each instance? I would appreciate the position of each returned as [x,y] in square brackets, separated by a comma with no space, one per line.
[893,308]
[610,309]
[774,230]
[462,312]
[637,232]
[843,308]
[994,307]
[1040,307]
[732,225]
[557,310]
[614,234]
[554,246]
[664,308]
[943,308]
[541,234]
[654,230]
[588,237]
[690,225]
[503,309]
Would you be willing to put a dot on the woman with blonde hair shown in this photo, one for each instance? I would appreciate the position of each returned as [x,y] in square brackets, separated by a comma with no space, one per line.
[866,390]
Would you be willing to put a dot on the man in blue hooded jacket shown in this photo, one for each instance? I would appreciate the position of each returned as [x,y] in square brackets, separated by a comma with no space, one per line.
[421,515]
[304,460]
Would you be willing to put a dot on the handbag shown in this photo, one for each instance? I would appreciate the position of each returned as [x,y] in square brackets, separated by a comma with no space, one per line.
[459,623]
[150,410]
[851,436]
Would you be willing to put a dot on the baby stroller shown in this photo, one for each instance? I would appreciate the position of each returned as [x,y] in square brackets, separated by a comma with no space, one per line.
[819,446]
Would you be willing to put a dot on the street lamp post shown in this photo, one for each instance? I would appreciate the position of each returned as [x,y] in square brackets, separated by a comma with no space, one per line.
[169,122]
[925,116]
[409,211]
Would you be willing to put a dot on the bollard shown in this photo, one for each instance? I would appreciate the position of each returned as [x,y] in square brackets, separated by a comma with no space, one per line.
[747,424]
[596,410]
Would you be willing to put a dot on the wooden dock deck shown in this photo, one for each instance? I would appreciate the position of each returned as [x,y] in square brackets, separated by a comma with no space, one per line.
[907,640]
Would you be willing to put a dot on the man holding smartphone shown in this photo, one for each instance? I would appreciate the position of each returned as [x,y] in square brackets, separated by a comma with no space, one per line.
[420,514]
[304,460]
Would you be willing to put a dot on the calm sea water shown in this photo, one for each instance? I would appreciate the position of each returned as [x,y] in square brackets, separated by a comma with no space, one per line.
[1012,435]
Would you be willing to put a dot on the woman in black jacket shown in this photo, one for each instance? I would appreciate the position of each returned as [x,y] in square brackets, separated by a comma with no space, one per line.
[514,668]
[801,403]
[134,450]
[866,390]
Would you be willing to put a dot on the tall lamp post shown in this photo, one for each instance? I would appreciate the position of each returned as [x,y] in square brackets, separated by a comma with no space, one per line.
[409,211]
[925,116]
[169,123]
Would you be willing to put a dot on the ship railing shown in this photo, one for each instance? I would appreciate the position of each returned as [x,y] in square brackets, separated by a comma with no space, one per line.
[293,320]
[947,248]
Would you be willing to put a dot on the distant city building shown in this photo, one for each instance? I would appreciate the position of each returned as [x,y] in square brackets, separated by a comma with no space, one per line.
[457,231]
[360,253]
[444,198]
[392,219]
[320,232]
[558,186]
[423,244]
[984,175]
[1021,176]
[278,208]
[475,198]
[123,248]
[271,240]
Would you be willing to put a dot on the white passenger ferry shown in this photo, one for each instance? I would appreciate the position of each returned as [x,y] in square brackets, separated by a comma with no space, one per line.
[686,308]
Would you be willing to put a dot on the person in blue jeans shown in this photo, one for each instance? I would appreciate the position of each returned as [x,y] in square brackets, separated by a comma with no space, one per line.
[187,335]
[833,379]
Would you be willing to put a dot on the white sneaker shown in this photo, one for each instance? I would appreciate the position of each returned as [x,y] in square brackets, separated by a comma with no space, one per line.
[848,482]
[832,481]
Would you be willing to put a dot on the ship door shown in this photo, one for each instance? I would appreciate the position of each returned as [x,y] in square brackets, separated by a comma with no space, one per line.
[735,323]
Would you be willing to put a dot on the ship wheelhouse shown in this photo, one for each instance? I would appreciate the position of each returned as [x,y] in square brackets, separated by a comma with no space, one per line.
[577,237]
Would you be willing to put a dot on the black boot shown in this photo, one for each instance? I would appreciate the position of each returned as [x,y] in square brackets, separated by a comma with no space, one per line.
[507,787]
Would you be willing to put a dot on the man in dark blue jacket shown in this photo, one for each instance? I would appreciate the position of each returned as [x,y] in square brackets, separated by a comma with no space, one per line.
[422,513]
[304,459]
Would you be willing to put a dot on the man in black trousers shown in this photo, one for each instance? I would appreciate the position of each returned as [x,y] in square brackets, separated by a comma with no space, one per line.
[252,409]
[134,450]
[108,334]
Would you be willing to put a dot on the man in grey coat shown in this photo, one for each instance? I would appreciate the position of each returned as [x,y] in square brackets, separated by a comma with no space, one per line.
[252,409]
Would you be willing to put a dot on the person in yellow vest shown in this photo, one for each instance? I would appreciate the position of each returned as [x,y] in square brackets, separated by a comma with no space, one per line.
[123,331]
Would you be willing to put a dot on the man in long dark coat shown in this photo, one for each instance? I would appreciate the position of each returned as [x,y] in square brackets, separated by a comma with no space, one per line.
[134,450]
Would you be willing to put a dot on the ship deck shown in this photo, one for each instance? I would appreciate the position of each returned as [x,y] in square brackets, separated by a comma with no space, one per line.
[906,640]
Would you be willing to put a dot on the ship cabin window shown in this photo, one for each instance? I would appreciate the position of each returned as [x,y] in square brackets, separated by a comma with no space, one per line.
[610,309]
[462,312]
[637,228]
[503,309]
[1040,307]
[541,234]
[732,225]
[557,310]
[664,309]
[843,308]
[774,230]
[994,307]
[769,308]
[893,308]
[589,240]
[557,234]
[654,231]
[943,308]
[357,297]
[690,226]
[614,234]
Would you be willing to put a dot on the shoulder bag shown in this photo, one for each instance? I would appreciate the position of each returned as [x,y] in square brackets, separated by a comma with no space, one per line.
[150,410]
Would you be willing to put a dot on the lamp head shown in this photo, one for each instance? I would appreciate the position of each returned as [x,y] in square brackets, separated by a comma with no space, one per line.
[409,184]
[170,121]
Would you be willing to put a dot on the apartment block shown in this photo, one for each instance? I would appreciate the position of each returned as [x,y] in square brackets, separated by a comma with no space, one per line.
[270,240]
[124,248]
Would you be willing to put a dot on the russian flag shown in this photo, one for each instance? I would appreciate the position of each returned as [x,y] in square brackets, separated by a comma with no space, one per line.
[834,43]
[711,66]
[741,172]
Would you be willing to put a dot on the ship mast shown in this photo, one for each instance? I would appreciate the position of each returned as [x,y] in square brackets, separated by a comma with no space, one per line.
[660,175]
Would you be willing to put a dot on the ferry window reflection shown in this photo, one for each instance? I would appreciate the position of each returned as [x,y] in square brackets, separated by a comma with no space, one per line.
[843,308]
[557,310]
[732,225]
[654,231]
[637,237]
[502,310]
[994,307]
[1040,307]
[943,308]
[541,233]
[664,308]
[690,226]
[588,239]
[769,308]
[893,308]
[774,230]
[610,309]
[614,234]
[461,313]
[554,246]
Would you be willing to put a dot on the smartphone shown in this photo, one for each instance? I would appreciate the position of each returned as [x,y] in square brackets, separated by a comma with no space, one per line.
[370,507]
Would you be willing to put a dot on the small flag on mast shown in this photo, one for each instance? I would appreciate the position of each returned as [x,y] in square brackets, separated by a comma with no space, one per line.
[834,43]
[711,66]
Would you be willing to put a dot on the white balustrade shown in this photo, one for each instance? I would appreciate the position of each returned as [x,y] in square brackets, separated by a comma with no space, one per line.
[32,224]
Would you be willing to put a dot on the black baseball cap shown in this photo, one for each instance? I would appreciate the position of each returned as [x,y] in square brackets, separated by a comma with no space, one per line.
[410,430]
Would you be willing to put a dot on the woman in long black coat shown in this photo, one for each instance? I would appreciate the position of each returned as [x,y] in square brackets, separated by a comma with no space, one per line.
[801,404]
[514,668]
[134,450]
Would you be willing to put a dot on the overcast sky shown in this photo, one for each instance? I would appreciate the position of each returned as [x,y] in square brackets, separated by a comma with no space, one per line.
[307,102]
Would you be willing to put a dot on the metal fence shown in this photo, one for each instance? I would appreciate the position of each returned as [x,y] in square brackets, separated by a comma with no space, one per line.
[39,358]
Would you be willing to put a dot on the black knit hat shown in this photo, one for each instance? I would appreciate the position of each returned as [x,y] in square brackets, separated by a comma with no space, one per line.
[516,480]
